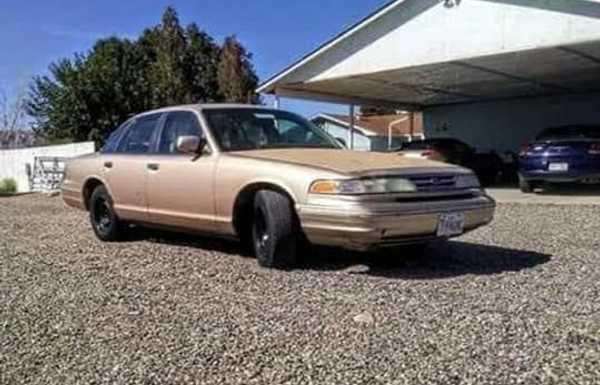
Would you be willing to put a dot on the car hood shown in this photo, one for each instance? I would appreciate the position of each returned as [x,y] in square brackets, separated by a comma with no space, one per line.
[345,161]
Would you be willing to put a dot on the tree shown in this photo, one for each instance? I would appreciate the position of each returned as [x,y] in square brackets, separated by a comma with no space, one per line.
[202,63]
[237,79]
[13,120]
[167,71]
[87,96]
[12,112]
[53,101]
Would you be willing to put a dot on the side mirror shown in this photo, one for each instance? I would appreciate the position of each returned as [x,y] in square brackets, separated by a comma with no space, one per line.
[190,144]
[342,142]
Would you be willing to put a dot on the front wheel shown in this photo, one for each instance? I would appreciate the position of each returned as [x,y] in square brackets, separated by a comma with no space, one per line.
[106,224]
[275,232]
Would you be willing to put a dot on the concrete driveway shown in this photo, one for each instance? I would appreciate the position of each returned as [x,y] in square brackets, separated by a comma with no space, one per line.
[555,196]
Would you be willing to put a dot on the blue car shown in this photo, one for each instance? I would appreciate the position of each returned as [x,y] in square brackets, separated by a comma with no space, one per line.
[567,154]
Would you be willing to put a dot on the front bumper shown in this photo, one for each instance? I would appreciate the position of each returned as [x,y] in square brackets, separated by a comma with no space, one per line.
[362,225]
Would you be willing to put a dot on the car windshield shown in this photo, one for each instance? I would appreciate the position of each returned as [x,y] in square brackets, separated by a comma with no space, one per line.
[243,129]
[570,132]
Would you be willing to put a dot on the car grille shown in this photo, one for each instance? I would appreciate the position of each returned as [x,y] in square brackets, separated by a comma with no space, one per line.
[434,183]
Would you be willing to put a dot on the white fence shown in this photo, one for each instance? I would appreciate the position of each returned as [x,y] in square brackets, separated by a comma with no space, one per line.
[13,163]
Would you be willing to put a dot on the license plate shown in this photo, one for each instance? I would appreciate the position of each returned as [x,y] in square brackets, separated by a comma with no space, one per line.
[451,224]
[558,167]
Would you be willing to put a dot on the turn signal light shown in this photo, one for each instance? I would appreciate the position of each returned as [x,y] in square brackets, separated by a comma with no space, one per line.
[324,187]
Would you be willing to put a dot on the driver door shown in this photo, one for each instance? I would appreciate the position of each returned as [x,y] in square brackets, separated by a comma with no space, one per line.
[180,186]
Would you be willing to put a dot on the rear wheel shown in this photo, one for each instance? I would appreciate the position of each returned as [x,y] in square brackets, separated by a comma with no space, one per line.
[106,224]
[526,186]
[275,233]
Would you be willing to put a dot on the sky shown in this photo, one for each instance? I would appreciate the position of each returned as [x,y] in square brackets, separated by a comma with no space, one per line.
[34,33]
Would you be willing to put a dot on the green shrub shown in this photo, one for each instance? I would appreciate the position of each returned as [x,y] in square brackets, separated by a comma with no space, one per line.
[8,186]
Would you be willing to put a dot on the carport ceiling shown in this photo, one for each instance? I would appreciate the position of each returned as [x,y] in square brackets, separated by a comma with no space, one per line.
[543,72]
[419,53]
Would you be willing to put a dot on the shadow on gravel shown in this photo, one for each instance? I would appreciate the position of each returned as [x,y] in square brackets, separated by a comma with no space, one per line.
[172,238]
[436,261]
[571,190]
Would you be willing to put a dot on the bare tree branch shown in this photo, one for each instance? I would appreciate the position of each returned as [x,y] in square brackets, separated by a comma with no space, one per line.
[13,115]
[12,111]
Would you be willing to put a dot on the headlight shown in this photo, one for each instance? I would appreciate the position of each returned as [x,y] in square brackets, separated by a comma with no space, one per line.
[467,181]
[363,186]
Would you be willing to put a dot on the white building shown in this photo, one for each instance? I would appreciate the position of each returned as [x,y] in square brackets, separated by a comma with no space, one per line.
[490,72]
[373,132]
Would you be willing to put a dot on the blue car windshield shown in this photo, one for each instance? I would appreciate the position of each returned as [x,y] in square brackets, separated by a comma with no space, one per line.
[570,132]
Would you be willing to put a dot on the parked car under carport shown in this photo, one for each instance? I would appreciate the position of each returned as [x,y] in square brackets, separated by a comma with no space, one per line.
[486,165]
[566,154]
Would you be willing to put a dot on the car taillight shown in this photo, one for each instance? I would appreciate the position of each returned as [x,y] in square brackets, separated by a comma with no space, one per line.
[594,149]
[432,155]
[524,149]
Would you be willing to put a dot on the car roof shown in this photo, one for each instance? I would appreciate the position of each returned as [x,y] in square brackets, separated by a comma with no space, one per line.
[200,107]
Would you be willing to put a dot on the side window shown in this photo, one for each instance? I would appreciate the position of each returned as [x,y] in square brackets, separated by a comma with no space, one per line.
[181,123]
[110,145]
[138,139]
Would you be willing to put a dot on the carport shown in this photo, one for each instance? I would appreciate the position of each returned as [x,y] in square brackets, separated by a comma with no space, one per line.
[491,72]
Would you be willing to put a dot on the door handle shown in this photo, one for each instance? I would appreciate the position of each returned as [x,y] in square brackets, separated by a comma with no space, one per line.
[108,164]
[153,166]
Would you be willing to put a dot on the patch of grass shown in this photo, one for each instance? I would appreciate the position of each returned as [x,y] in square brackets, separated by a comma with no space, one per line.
[8,186]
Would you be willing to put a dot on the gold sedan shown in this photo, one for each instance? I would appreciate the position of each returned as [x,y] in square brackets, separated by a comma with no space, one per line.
[269,178]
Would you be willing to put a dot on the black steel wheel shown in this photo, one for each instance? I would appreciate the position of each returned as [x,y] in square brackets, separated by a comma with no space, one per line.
[275,232]
[106,224]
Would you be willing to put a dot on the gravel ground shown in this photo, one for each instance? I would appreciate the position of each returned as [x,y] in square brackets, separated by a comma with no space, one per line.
[515,302]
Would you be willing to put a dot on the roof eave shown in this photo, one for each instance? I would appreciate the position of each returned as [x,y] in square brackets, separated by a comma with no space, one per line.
[269,86]
[344,99]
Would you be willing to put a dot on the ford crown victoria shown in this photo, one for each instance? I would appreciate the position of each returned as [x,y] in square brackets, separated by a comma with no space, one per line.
[271,179]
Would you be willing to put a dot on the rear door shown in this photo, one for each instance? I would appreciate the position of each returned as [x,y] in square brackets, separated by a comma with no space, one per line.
[125,168]
[180,186]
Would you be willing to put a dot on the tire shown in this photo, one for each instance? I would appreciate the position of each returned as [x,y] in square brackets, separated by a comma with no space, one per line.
[275,232]
[106,224]
[525,186]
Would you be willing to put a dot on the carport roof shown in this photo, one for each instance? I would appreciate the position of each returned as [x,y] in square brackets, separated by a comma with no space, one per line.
[418,53]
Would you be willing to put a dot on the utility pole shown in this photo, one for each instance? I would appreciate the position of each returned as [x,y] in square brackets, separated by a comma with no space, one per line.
[351,128]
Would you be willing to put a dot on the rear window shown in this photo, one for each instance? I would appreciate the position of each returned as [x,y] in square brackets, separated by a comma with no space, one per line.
[113,140]
[139,136]
[570,132]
